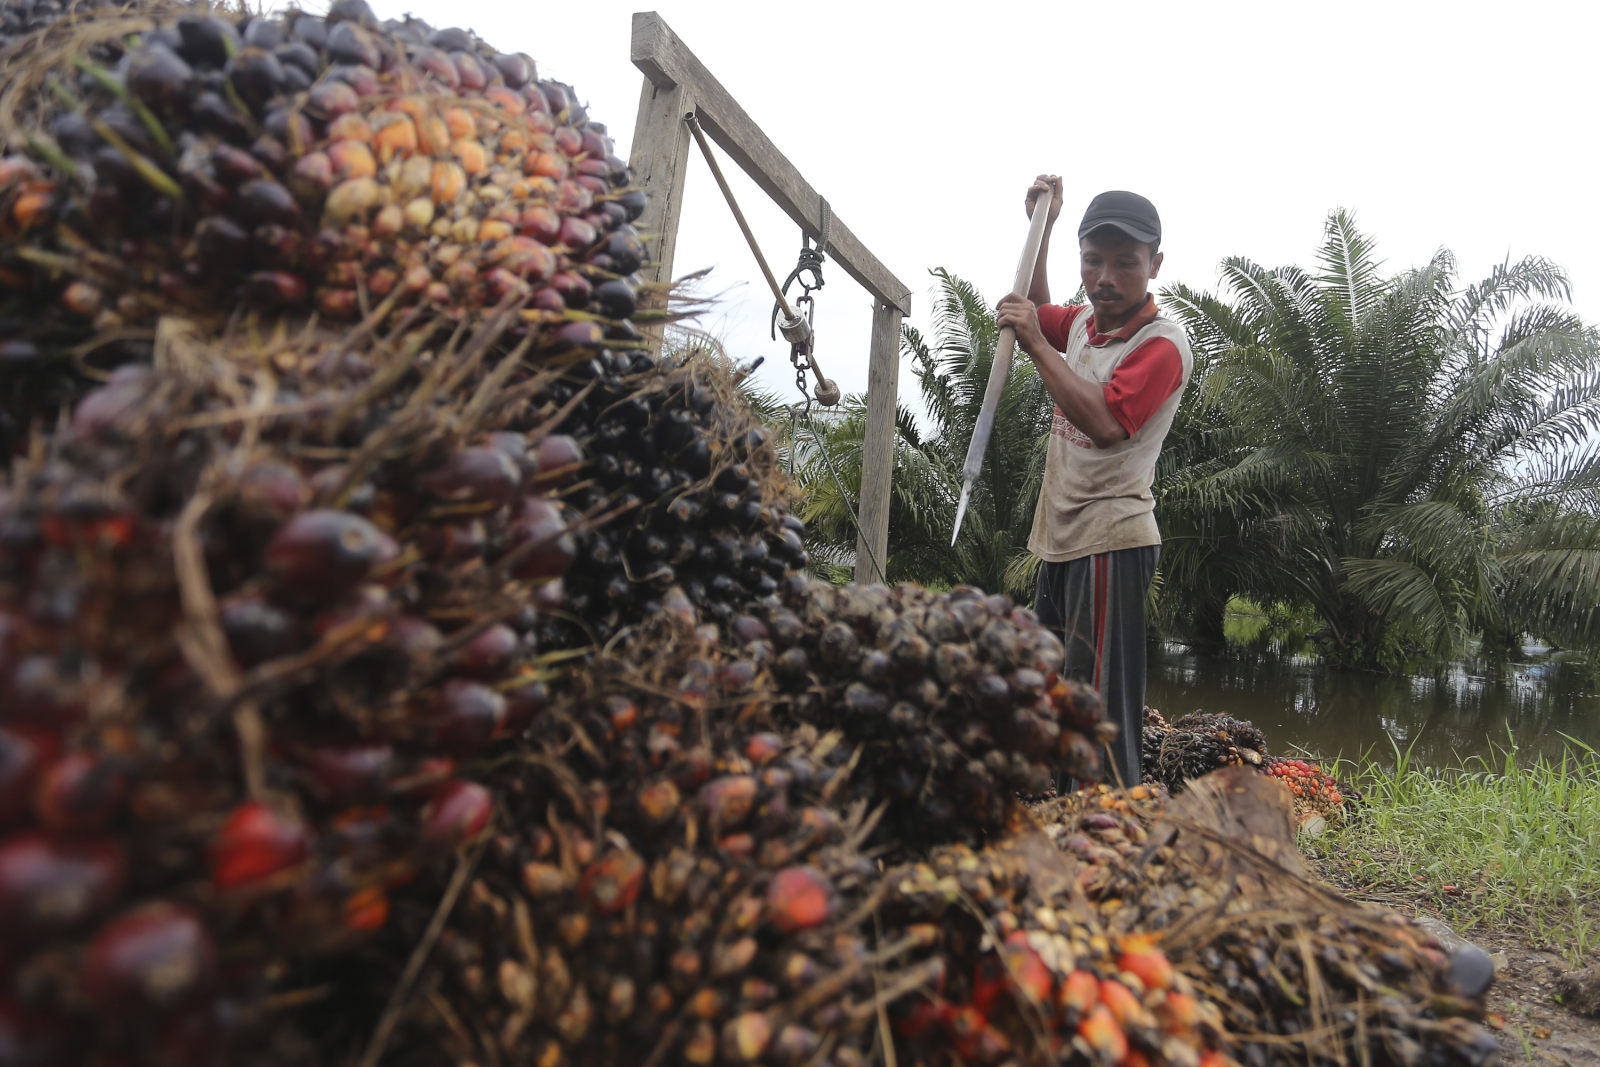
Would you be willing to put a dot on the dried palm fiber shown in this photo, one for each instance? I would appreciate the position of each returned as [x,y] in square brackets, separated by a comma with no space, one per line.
[678,883]
[953,698]
[271,589]
[1197,744]
[1302,974]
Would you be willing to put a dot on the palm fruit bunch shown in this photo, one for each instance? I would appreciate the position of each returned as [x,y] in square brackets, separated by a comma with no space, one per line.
[1301,973]
[271,591]
[671,882]
[248,663]
[20,18]
[170,159]
[1032,973]
[1316,792]
[952,698]
[1197,744]
[697,500]
[1154,728]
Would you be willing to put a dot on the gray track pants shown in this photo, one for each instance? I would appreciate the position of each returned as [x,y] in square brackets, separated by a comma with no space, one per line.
[1096,604]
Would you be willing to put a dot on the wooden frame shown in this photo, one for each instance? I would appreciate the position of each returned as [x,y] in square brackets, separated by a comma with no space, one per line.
[675,84]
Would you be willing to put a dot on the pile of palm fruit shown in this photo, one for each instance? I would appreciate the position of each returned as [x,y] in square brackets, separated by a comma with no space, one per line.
[1201,742]
[1302,975]
[401,664]
[952,697]
[680,878]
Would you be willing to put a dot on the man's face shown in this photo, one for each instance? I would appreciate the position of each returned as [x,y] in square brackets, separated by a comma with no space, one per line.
[1117,271]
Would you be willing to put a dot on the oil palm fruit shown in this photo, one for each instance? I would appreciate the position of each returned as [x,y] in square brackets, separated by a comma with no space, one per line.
[163,159]
[1259,934]
[952,698]
[1199,743]
[1315,791]
[271,585]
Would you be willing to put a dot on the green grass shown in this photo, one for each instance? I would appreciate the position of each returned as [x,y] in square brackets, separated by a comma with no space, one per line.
[1517,843]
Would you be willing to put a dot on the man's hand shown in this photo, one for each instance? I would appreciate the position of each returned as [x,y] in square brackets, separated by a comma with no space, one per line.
[1051,182]
[1022,315]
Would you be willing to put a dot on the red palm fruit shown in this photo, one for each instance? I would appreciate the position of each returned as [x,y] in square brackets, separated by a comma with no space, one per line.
[799,898]
[524,702]
[254,844]
[574,288]
[365,909]
[256,630]
[1026,969]
[350,774]
[1144,961]
[48,885]
[457,812]
[539,538]
[1122,1003]
[475,475]
[763,748]
[1079,992]
[465,715]
[1104,1037]
[436,65]
[658,802]
[276,289]
[540,223]
[612,882]
[1179,1013]
[323,553]
[557,458]
[577,234]
[80,793]
[746,1037]
[155,957]
[329,99]
[489,654]
[272,489]
[727,801]
[23,755]
[923,1017]
[351,159]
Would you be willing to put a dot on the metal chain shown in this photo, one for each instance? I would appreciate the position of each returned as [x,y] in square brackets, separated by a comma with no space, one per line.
[844,497]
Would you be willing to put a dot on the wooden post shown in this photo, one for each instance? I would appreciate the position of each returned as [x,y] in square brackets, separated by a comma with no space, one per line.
[658,160]
[877,450]
[677,82]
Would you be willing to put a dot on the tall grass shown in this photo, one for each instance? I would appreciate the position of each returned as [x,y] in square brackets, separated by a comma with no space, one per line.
[1494,842]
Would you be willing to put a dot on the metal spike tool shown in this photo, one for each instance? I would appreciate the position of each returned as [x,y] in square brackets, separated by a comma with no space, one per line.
[1000,369]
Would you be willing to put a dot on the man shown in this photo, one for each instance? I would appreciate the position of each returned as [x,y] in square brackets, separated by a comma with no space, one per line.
[1116,370]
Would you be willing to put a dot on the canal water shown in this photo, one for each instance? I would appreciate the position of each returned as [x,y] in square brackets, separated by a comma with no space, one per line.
[1301,704]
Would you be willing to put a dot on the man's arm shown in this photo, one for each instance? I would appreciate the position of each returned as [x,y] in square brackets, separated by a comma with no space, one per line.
[1082,401]
[1039,291]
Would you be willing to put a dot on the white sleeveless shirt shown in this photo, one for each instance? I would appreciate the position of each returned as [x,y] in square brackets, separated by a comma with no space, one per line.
[1098,499]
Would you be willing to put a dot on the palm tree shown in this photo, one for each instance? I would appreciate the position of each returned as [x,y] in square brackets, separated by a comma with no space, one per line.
[952,370]
[1375,447]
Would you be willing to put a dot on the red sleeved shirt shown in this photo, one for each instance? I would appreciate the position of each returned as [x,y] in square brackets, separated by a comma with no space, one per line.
[1144,379]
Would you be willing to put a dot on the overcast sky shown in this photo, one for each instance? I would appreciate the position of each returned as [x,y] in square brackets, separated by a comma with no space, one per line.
[1464,126]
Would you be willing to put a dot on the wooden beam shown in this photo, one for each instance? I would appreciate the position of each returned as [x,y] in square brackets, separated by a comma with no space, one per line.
[667,63]
[877,450]
[659,156]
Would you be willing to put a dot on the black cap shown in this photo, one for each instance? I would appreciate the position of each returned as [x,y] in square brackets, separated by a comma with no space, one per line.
[1128,212]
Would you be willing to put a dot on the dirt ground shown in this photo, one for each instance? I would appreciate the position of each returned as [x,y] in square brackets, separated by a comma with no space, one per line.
[1529,1000]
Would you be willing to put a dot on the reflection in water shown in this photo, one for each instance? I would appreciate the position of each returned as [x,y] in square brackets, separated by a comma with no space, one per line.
[1302,704]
